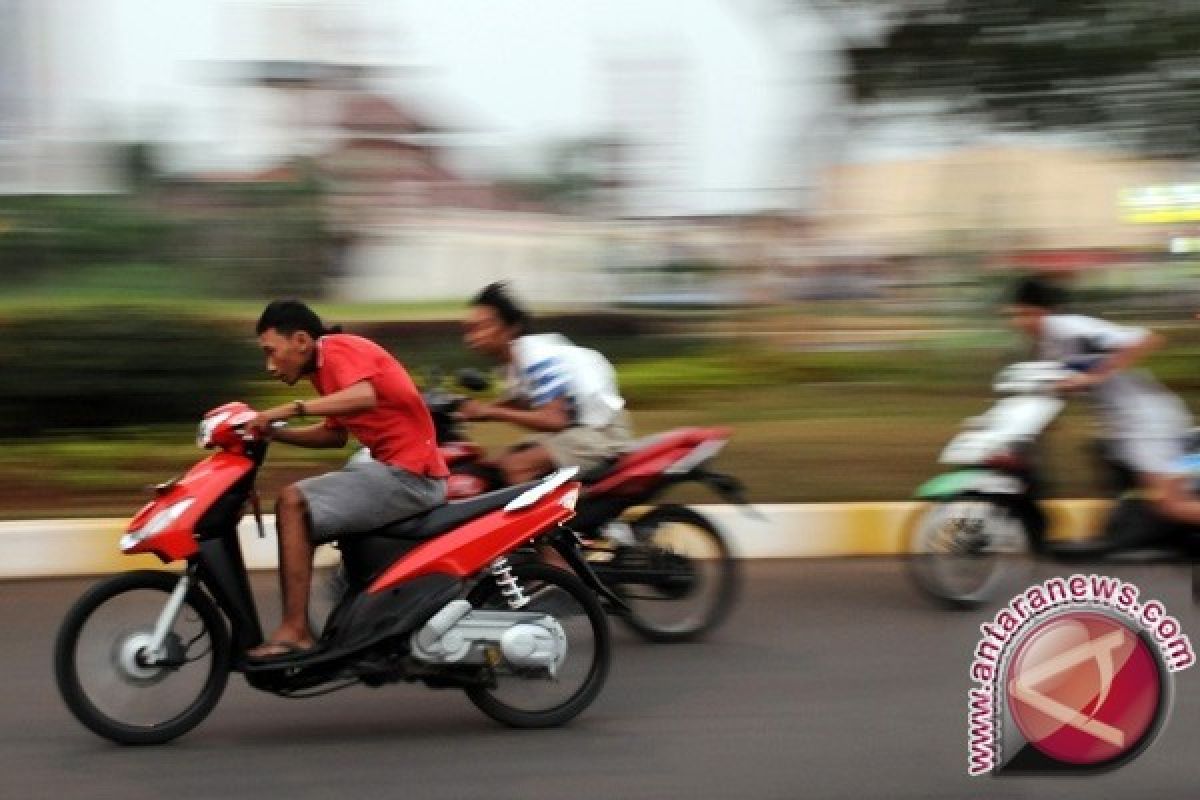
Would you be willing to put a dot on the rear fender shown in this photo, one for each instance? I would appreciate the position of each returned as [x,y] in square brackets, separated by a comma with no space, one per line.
[1006,490]
[974,481]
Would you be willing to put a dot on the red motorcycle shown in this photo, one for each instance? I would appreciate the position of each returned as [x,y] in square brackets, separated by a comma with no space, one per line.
[143,657]
[671,565]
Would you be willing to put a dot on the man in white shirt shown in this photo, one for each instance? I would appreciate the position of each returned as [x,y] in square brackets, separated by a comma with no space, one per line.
[1145,423]
[567,393]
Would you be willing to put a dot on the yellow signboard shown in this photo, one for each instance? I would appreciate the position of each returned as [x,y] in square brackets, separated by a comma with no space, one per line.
[1161,204]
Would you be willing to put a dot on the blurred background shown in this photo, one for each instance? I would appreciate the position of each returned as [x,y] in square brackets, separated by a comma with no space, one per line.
[797,217]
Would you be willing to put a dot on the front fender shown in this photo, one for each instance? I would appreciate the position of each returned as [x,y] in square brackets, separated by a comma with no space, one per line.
[980,481]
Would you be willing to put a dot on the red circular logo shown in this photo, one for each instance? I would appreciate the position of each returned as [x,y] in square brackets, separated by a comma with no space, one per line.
[1084,689]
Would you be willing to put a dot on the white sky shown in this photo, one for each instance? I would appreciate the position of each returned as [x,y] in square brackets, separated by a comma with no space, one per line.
[527,71]
[514,74]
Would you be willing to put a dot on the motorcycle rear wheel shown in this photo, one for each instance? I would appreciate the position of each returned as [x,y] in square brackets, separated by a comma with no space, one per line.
[98,661]
[684,545]
[965,550]
[522,701]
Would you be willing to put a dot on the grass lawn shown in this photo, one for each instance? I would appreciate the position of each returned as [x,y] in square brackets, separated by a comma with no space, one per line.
[801,443]
[810,423]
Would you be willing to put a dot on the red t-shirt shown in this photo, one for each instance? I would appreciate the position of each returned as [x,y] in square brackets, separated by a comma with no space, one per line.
[398,430]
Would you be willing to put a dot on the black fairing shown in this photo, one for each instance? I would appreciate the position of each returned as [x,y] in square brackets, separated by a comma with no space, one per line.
[223,573]
[222,566]
[365,557]
[362,619]
[223,515]
[1027,508]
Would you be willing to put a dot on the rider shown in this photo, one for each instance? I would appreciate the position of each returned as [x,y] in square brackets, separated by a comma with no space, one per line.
[567,393]
[362,391]
[1145,423]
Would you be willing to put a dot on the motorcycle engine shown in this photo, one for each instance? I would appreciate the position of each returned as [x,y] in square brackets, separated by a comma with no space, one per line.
[460,634]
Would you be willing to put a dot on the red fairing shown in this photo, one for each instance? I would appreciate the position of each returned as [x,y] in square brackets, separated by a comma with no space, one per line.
[457,452]
[644,466]
[205,482]
[466,550]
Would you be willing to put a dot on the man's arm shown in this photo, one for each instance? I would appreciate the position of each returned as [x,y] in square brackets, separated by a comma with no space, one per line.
[552,417]
[351,400]
[1126,357]
[315,436]
[1121,359]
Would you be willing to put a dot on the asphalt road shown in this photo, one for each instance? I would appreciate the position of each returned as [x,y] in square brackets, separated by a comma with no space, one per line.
[831,680]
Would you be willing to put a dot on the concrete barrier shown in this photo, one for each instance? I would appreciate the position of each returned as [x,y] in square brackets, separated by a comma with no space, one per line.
[792,530]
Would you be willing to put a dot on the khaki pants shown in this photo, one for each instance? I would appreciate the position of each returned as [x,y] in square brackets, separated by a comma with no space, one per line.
[585,447]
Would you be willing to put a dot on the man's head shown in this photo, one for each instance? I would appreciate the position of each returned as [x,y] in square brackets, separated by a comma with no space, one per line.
[1032,299]
[288,331]
[494,321]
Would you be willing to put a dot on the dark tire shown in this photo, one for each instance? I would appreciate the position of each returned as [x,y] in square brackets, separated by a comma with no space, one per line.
[576,608]
[963,551]
[667,616]
[105,624]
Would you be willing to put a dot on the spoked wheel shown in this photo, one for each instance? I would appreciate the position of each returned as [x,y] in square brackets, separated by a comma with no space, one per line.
[678,578]
[537,697]
[106,676]
[964,551]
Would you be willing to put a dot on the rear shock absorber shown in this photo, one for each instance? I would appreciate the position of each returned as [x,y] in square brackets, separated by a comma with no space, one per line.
[509,587]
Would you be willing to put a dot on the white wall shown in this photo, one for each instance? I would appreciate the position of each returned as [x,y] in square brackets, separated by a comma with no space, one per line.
[451,254]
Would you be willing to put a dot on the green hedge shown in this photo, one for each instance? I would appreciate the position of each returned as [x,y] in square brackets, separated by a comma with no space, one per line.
[116,367]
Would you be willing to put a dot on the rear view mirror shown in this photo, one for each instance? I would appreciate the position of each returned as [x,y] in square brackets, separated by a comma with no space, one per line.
[472,379]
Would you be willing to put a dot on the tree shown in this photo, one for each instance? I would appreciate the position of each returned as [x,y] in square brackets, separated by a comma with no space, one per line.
[1125,69]
[573,173]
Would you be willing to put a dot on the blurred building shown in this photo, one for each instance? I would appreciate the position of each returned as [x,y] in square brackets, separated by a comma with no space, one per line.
[50,135]
[990,199]
[235,91]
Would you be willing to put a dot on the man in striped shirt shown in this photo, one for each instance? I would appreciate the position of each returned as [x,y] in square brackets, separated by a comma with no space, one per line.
[566,393]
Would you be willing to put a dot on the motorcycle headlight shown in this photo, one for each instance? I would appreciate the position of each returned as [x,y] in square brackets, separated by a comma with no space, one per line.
[158,523]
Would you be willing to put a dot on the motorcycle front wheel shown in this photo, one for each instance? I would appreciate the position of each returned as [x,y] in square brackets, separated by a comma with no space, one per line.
[524,700]
[105,677]
[965,550]
[679,577]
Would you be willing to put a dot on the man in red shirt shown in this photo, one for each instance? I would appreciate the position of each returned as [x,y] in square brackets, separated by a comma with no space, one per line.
[363,391]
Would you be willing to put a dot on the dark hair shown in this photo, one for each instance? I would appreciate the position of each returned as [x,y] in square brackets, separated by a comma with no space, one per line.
[1036,291]
[496,297]
[289,316]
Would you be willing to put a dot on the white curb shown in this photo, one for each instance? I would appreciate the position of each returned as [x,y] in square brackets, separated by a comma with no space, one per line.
[43,548]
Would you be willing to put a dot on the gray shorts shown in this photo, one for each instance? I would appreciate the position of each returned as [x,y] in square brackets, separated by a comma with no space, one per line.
[585,447]
[365,495]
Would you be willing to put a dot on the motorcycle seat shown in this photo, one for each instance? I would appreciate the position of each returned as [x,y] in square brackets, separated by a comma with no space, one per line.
[599,471]
[451,515]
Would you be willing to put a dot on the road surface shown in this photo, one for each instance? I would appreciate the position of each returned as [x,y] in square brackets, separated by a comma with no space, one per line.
[831,680]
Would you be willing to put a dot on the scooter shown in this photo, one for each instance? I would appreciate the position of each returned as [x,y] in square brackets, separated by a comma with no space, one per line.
[984,523]
[671,565]
[144,656]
